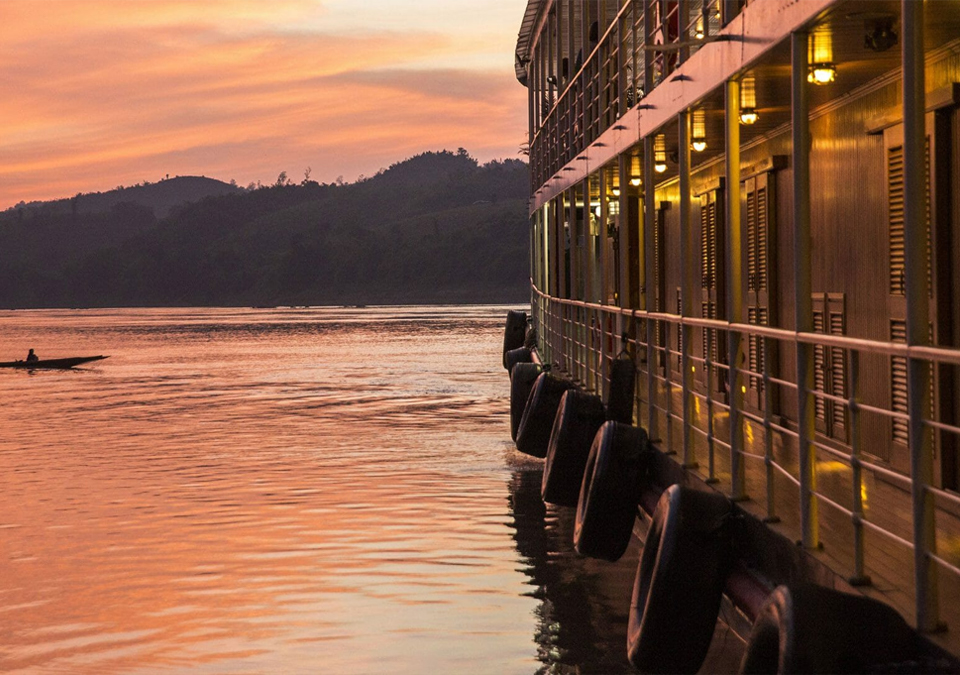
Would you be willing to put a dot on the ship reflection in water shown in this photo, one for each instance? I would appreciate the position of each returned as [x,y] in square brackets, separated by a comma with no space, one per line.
[295,491]
[582,618]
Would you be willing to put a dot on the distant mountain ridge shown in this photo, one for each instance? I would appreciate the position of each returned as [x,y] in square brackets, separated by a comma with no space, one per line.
[434,228]
[162,196]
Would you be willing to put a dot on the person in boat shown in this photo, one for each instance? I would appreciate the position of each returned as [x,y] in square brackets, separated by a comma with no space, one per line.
[32,357]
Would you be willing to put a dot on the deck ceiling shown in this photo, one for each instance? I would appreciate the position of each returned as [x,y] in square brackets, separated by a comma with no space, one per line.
[844,28]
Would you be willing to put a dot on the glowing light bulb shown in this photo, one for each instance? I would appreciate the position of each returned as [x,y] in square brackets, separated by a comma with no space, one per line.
[822,73]
[748,116]
[659,167]
[699,145]
[635,182]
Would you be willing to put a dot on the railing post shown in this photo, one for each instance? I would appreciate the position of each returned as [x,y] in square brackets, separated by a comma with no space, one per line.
[668,388]
[648,29]
[768,460]
[649,222]
[859,578]
[918,312]
[735,291]
[686,295]
[711,427]
[800,113]
[683,22]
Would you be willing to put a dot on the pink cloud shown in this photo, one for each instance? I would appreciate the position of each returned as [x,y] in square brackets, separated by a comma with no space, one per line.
[125,91]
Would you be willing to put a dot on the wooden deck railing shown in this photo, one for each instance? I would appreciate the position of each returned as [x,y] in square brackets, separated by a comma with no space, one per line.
[865,522]
[642,46]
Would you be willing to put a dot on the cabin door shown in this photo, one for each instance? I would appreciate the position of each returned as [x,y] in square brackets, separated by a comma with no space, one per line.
[938,239]
[712,286]
[759,209]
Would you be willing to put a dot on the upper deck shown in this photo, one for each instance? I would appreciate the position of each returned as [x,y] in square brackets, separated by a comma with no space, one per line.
[602,75]
[739,192]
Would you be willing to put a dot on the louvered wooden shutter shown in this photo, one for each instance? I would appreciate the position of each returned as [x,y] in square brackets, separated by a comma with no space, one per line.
[820,371]
[679,328]
[897,250]
[761,245]
[657,254]
[752,254]
[712,241]
[838,376]
[895,216]
[898,386]
[710,346]
[704,239]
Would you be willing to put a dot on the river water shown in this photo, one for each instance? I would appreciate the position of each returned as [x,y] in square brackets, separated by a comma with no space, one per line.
[283,491]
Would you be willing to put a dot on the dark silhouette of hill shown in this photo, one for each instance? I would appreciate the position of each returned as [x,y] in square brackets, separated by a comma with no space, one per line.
[437,227]
[162,196]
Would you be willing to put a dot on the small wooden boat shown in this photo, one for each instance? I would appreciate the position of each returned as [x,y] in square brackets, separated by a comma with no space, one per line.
[51,363]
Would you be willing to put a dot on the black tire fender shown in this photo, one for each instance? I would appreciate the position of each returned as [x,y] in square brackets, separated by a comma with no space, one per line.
[620,390]
[679,583]
[610,491]
[522,378]
[513,333]
[805,628]
[578,419]
[533,435]
[518,355]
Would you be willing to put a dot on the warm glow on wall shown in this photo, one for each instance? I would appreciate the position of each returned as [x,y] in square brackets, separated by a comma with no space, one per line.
[820,47]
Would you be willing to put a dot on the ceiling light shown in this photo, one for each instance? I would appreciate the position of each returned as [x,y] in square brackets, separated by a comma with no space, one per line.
[822,73]
[659,154]
[748,116]
[699,130]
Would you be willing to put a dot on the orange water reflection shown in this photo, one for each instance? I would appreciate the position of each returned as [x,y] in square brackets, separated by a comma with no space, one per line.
[267,491]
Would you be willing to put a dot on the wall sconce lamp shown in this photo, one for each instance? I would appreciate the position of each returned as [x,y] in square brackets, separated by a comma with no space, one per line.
[699,130]
[822,73]
[635,181]
[748,101]
[659,154]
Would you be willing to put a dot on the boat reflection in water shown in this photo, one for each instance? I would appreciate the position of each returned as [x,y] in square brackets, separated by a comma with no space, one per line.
[582,618]
[584,603]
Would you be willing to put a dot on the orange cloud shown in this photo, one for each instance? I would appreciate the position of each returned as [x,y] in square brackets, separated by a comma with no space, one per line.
[107,92]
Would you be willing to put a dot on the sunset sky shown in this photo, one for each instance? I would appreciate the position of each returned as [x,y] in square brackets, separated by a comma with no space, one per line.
[100,93]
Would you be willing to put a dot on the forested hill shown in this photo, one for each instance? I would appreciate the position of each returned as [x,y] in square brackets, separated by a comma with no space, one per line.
[435,228]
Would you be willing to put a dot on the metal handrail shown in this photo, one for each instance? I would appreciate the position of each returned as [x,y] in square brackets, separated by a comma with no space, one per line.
[593,99]
[588,326]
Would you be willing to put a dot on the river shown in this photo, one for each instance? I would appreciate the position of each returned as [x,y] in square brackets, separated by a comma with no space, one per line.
[283,491]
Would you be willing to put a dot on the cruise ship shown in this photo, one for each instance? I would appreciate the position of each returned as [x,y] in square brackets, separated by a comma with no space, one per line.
[751,207]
